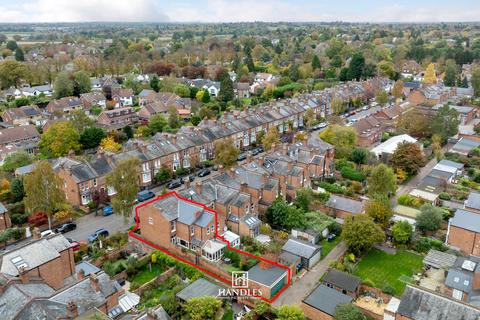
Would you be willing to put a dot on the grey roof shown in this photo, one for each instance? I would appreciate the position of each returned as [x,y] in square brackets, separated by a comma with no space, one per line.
[466,220]
[251,221]
[25,169]
[199,288]
[345,204]
[33,254]
[159,312]
[288,257]
[453,164]
[87,267]
[326,299]
[3,209]
[440,174]
[268,276]
[188,213]
[421,304]
[43,309]
[465,145]
[342,280]
[460,280]
[301,248]
[473,201]
[439,259]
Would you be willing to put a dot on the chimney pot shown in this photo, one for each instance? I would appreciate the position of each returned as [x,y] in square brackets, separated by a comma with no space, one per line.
[24,276]
[198,187]
[72,310]
[81,274]
[95,283]
[36,233]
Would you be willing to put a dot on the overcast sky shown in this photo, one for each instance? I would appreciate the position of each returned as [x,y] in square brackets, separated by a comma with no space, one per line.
[239,10]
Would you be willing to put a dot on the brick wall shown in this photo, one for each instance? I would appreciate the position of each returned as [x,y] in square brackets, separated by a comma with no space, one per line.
[467,241]
[314,314]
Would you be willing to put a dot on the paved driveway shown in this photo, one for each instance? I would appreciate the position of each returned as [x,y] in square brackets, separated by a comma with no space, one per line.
[301,287]
[86,225]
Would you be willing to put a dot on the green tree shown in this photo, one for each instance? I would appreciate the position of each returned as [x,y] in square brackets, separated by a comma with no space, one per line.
[379,210]
[205,96]
[360,233]
[19,55]
[302,199]
[79,120]
[226,89]
[155,84]
[397,90]
[316,63]
[309,118]
[408,157]
[290,312]
[59,139]
[63,86]
[382,182]
[173,117]
[430,218]
[16,160]
[271,138]
[182,90]
[357,64]
[359,156]
[402,232]
[343,138]
[382,97]
[12,73]
[293,72]
[12,45]
[226,153]
[475,81]
[281,215]
[445,123]
[163,175]
[81,83]
[124,179]
[338,106]
[348,311]
[128,131]
[203,308]
[450,73]
[17,190]
[157,123]
[43,191]
[91,137]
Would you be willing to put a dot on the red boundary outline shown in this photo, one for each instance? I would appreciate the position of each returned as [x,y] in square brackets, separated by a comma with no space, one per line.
[132,234]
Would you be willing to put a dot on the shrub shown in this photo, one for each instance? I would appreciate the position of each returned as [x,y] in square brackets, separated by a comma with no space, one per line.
[389,290]
[332,188]
[352,174]
[445,196]
[405,200]
[341,164]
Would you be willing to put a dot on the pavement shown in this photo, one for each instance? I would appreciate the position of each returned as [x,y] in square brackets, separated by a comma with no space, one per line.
[301,287]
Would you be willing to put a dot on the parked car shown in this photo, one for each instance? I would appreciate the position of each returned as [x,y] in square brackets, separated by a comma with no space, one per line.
[203,172]
[365,107]
[107,211]
[190,178]
[75,245]
[260,149]
[100,233]
[174,184]
[145,195]
[284,139]
[46,233]
[323,125]
[242,156]
[66,227]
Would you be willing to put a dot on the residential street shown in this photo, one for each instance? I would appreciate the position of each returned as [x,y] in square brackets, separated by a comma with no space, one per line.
[301,287]
[86,225]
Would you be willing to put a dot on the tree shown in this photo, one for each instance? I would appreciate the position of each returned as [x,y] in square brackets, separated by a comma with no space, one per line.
[19,55]
[397,90]
[309,118]
[91,137]
[271,138]
[302,199]
[173,117]
[63,86]
[408,157]
[283,216]
[290,312]
[430,76]
[430,218]
[109,144]
[360,233]
[338,106]
[17,190]
[12,45]
[202,308]
[155,84]
[343,138]
[357,64]
[182,90]
[348,311]
[382,182]
[205,96]
[445,123]
[79,120]
[12,73]
[382,97]
[475,81]
[450,73]
[226,153]
[81,83]
[128,131]
[163,175]
[379,210]
[316,63]
[157,123]
[402,232]
[359,156]
[386,69]
[43,191]
[59,139]
[226,89]
[124,179]
[16,160]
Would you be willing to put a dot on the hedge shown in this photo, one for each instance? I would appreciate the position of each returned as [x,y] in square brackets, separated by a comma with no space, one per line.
[352,174]
[332,188]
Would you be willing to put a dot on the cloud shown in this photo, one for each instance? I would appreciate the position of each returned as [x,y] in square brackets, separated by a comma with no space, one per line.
[83,10]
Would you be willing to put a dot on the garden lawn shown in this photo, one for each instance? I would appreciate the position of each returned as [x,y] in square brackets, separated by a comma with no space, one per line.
[327,246]
[145,275]
[383,269]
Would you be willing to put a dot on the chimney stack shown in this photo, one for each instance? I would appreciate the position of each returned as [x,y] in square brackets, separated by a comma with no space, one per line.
[95,283]
[36,233]
[72,310]
[81,274]
[187,183]
[198,187]
[476,279]
[23,274]
[243,186]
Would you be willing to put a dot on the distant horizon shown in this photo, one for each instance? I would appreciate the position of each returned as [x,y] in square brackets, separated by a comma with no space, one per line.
[225,11]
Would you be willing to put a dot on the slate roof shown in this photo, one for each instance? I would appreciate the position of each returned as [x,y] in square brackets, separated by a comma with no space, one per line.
[460,280]
[267,277]
[342,280]
[466,220]
[301,248]
[326,299]
[439,259]
[473,201]
[18,295]
[345,204]
[453,164]
[199,288]
[465,145]
[421,304]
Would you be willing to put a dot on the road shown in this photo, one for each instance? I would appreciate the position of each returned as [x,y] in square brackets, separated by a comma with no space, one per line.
[88,224]
[301,287]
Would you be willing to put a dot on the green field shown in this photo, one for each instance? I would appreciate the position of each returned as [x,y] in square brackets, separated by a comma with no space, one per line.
[383,269]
